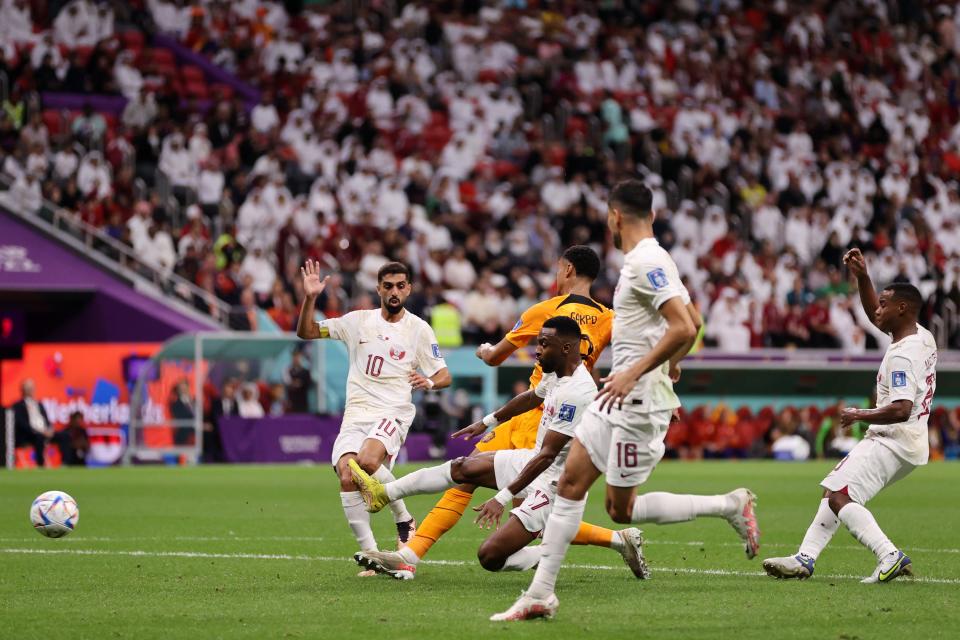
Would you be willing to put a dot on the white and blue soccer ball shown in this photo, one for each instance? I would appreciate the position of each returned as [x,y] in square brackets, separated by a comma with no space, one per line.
[54,514]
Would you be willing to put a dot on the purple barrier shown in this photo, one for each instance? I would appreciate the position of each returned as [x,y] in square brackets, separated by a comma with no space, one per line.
[186,55]
[299,438]
[113,105]
[32,262]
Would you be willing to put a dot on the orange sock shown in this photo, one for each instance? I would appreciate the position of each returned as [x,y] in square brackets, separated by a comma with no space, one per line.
[441,519]
[593,535]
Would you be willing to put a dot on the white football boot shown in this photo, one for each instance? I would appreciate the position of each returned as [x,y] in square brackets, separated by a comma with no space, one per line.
[632,552]
[744,520]
[527,608]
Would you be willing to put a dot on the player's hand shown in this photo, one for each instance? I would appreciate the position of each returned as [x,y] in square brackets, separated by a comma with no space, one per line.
[848,416]
[482,349]
[418,381]
[675,372]
[473,431]
[312,285]
[675,416]
[490,513]
[855,263]
[616,387]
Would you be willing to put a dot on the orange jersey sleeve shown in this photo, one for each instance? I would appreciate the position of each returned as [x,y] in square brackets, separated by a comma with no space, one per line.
[531,321]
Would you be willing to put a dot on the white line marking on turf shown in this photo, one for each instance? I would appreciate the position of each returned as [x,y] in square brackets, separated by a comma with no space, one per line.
[646,542]
[451,563]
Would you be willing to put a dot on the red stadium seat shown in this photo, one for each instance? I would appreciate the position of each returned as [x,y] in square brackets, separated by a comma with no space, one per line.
[221,90]
[164,56]
[132,40]
[53,120]
[197,90]
[192,73]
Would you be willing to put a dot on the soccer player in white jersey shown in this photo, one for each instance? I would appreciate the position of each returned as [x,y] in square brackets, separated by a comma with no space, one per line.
[896,441]
[623,431]
[566,390]
[386,347]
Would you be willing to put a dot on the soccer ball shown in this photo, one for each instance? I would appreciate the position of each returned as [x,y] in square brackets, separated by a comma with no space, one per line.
[54,514]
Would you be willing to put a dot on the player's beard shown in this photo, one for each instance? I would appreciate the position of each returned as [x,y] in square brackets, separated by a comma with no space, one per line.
[393,309]
[617,240]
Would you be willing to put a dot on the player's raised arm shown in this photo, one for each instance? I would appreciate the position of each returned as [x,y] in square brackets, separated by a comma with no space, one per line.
[679,330]
[495,354]
[868,294]
[313,286]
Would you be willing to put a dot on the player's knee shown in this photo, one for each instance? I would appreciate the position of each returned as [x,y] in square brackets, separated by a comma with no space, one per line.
[490,558]
[369,462]
[456,469]
[619,513]
[570,489]
[346,479]
[837,500]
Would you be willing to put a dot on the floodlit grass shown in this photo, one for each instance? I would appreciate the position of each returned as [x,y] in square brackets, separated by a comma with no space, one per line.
[264,552]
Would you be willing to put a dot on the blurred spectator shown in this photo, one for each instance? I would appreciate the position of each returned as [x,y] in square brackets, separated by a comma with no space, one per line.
[72,441]
[31,427]
[248,405]
[299,382]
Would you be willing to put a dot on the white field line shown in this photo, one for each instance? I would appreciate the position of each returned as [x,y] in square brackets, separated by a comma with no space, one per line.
[451,563]
[646,542]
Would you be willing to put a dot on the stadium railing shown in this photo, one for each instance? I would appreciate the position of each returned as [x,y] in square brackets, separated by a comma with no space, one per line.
[119,258]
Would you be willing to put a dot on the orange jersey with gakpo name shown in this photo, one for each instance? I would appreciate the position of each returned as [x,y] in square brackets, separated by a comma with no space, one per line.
[595,320]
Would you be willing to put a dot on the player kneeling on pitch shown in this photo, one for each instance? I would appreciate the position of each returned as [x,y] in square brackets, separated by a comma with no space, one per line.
[896,441]
[565,390]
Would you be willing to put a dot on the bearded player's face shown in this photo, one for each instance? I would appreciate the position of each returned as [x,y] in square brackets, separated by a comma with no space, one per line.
[613,223]
[393,291]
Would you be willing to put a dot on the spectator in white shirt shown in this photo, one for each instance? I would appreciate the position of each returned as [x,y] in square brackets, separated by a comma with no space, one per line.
[128,78]
[25,194]
[458,272]
[248,406]
[264,116]
[200,146]
[93,177]
[261,271]
[76,25]
[727,323]
[177,163]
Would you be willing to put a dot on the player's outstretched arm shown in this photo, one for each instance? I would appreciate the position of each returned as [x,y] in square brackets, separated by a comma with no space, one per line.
[684,349]
[680,329]
[307,328]
[491,511]
[494,355]
[522,403]
[868,295]
[894,413]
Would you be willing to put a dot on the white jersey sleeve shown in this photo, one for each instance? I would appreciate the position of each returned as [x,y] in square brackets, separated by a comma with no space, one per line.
[658,282]
[902,379]
[343,328]
[546,384]
[429,358]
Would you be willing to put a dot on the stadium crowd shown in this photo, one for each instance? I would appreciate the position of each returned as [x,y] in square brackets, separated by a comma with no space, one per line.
[475,140]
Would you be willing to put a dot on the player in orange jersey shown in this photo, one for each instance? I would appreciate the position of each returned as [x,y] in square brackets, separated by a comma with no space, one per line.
[577,269]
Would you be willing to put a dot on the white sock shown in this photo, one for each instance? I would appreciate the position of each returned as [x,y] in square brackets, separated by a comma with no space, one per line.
[821,530]
[616,541]
[408,555]
[865,529]
[429,480]
[526,558]
[399,509]
[358,519]
[665,508]
[561,529]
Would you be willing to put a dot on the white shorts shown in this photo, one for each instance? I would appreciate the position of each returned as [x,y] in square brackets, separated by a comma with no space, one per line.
[868,468]
[624,444]
[538,504]
[507,465]
[390,431]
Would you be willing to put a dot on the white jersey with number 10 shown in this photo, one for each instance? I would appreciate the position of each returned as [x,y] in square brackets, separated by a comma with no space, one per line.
[382,356]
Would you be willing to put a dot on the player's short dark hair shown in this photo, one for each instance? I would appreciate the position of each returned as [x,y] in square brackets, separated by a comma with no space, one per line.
[564,326]
[632,197]
[392,268]
[906,292]
[585,261]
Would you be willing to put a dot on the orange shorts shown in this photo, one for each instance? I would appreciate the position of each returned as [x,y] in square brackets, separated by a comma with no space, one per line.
[519,432]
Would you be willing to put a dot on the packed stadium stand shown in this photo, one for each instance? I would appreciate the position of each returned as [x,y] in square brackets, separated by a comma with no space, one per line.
[226,141]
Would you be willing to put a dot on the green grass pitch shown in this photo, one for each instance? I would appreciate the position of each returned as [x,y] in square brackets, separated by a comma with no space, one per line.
[264,552]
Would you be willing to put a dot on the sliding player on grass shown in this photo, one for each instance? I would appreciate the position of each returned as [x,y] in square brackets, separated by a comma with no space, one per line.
[577,268]
[895,444]
[386,348]
[566,388]
[623,430]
